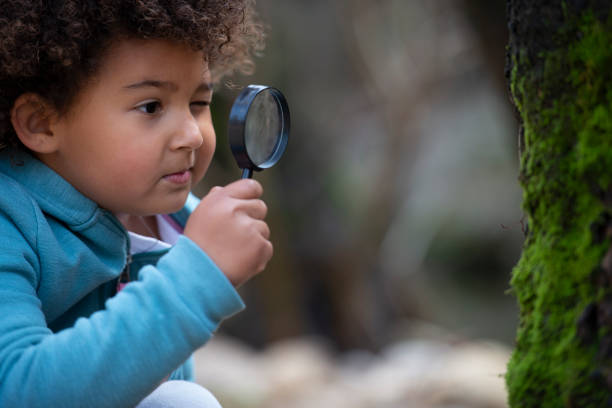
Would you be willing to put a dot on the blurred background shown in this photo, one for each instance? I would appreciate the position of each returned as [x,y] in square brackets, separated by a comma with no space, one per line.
[395,212]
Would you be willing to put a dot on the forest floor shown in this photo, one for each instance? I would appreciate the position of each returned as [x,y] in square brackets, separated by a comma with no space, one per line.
[303,372]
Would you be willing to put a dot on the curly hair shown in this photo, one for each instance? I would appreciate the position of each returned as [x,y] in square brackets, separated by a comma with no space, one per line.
[51,47]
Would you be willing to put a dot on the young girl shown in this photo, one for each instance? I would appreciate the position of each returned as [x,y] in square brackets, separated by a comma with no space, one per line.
[111,273]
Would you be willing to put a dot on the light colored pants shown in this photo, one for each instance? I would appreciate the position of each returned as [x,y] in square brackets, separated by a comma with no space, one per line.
[179,394]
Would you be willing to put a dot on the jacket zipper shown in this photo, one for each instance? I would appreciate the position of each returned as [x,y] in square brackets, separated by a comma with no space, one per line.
[124,277]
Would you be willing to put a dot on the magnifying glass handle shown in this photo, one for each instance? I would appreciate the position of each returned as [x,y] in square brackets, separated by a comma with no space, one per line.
[247,173]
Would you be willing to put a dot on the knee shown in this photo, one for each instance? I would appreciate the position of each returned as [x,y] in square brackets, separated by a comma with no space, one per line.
[179,394]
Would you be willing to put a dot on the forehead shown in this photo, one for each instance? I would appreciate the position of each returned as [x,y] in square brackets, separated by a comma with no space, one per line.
[137,59]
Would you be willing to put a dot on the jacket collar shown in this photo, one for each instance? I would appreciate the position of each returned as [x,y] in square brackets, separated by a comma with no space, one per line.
[54,195]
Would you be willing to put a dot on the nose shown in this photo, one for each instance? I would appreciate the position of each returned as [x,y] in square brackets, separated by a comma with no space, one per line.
[187,134]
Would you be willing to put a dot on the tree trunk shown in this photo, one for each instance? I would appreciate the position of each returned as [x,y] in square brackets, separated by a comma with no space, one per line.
[559,68]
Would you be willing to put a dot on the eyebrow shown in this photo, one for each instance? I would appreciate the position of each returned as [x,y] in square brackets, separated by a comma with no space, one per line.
[152,83]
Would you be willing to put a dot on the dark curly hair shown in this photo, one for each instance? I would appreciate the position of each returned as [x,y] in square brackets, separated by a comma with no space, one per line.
[51,47]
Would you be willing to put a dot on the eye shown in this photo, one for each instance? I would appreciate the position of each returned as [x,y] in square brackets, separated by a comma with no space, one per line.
[198,106]
[150,108]
[200,103]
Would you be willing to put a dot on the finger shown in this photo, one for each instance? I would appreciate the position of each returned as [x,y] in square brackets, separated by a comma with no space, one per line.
[267,252]
[245,189]
[262,228]
[254,208]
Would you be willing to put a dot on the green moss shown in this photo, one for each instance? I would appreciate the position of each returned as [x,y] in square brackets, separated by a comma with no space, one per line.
[565,103]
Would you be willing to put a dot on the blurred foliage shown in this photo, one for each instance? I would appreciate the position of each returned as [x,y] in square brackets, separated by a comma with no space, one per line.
[397,197]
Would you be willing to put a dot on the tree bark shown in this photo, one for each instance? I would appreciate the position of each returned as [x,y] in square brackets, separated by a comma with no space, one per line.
[559,70]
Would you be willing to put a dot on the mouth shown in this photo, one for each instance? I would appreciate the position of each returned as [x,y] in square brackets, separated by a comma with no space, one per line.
[180,177]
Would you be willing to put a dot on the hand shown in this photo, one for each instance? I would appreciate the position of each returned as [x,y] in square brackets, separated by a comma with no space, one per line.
[228,225]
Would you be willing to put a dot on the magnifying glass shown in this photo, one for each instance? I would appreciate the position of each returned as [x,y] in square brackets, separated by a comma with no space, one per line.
[258,129]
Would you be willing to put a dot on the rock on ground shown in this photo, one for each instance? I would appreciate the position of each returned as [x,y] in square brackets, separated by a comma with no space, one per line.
[305,373]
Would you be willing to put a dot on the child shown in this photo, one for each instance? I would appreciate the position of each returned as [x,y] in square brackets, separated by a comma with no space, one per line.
[104,127]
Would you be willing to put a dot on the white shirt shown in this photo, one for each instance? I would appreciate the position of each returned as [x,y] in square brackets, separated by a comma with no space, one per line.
[140,243]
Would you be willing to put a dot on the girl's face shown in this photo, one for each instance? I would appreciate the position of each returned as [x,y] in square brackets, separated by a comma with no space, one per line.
[140,135]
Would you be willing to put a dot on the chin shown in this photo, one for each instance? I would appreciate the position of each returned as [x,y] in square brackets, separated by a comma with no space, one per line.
[174,206]
[165,205]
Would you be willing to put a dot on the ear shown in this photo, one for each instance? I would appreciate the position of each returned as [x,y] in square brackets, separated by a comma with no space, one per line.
[32,117]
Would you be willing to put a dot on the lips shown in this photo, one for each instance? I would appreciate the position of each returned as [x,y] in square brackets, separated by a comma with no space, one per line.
[180,177]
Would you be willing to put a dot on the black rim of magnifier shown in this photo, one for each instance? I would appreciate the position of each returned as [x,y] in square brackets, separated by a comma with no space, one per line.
[237,122]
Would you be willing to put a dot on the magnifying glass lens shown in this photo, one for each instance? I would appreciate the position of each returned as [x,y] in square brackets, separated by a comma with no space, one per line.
[258,128]
[263,127]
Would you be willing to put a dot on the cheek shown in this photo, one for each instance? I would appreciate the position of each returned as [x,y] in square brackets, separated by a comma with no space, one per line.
[205,154]
[133,163]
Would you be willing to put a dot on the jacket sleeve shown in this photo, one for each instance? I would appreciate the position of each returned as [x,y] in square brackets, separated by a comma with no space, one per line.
[118,355]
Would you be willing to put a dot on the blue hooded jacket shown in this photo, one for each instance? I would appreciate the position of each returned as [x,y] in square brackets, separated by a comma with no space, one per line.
[66,338]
